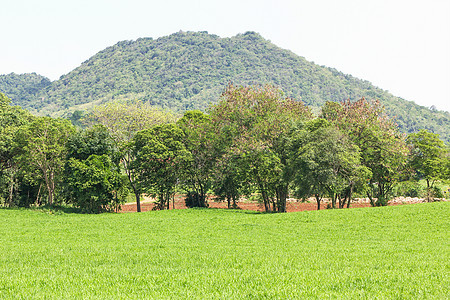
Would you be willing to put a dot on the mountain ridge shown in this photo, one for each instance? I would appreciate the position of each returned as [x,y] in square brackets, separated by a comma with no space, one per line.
[189,70]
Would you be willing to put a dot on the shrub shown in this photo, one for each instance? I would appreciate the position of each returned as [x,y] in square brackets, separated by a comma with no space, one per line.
[194,199]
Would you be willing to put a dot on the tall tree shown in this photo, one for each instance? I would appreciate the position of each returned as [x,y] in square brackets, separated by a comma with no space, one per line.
[160,157]
[92,172]
[199,140]
[43,145]
[11,119]
[95,184]
[326,163]
[383,147]
[253,123]
[429,157]
[123,120]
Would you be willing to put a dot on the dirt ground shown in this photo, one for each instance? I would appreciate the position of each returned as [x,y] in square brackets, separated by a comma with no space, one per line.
[292,205]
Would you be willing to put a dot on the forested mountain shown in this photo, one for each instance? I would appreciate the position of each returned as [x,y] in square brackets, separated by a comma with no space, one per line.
[23,89]
[188,70]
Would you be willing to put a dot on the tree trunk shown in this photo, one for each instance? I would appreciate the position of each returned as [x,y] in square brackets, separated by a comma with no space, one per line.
[372,202]
[318,199]
[38,195]
[49,186]
[333,200]
[234,202]
[350,195]
[282,198]
[11,190]
[138,198]
[173,201]
[428,190]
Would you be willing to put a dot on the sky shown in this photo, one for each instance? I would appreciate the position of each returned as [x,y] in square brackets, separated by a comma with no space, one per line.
[399,45]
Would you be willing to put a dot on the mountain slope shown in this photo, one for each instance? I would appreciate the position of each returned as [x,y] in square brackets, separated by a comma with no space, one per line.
[186,71]
[23,89]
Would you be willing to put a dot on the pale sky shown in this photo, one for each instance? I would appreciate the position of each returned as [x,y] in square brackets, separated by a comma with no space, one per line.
[399,45]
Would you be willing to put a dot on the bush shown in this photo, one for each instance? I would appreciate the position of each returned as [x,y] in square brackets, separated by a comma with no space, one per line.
[410,189]
[436,192]
[193,199]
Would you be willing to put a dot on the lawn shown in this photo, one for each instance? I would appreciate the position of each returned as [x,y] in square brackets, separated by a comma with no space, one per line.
[384,253]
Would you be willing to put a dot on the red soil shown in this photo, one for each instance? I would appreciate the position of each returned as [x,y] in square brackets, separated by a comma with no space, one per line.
[291,206]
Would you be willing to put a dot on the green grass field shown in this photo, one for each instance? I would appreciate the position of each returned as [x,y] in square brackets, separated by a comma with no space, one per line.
[396,252]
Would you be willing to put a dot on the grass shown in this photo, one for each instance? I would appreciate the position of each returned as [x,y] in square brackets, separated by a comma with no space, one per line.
[398,252]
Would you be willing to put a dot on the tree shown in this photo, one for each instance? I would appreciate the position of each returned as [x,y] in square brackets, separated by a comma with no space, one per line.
[199,140]
[229,179]
[11,119]
[94,140]
[123,120]
[326,163]
[160,157]
[383,147]
[253,123]
[42,144]
[92,172]
[95,184]
[429,157]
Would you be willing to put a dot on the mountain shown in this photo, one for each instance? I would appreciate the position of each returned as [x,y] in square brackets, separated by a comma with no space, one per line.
[23,89]
[189,70]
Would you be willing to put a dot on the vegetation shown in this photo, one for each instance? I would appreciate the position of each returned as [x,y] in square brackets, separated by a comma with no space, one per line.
[94,181]
[24,89]
[383,147]
[390,252]
[254,142]
[429,158]
[123,121]
[186,71]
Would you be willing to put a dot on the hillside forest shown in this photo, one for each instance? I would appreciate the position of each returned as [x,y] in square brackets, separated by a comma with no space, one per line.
[254,141]
[189,71]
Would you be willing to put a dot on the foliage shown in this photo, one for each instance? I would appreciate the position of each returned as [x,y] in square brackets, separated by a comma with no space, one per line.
[199,140]
[188,70]
[429,158]
[123,120]
[398,252]
[42,146]
[160,157]
[95,184]
[94,140]
[93,178]
[327,163]
[409,189]
[194,199]
[24,89]
[383,147]
[251,124]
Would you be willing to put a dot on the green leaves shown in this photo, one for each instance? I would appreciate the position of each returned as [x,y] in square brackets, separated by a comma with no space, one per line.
[252,124]
[429,158]
[160,156]
[42,145]
[383,147]
[95,184]
[326,162]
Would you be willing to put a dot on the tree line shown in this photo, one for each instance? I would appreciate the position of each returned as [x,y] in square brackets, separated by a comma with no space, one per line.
[253,141]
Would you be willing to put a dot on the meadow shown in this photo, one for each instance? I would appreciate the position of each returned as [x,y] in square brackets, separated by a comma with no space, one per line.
[395,252]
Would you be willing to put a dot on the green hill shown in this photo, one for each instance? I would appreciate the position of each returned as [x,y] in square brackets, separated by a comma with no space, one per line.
[24,89]
[188,70]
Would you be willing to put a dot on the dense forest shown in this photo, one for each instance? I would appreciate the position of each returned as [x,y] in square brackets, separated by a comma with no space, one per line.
[25,89]
[188,70]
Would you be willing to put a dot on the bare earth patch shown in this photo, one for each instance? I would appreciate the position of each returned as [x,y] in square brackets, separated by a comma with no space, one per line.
[292,205]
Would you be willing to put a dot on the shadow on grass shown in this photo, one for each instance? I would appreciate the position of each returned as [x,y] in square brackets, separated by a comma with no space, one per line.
[50,209]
